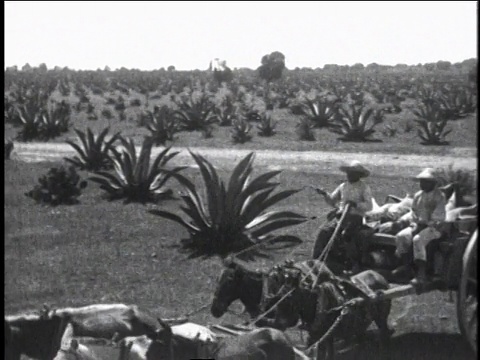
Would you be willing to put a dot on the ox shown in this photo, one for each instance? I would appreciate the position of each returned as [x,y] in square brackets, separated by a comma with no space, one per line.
[389,211]
[170,344]
[108,320]
[71,349]
[36,336]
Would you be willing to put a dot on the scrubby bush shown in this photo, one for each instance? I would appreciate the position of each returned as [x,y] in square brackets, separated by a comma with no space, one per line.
[58,186]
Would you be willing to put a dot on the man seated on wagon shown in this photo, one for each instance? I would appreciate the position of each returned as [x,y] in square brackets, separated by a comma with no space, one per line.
[358,195]
[423,225]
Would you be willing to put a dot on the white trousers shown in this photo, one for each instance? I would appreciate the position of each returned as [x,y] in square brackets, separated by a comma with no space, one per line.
[405,241]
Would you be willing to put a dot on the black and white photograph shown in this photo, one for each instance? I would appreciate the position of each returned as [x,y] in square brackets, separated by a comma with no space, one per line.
[251,180]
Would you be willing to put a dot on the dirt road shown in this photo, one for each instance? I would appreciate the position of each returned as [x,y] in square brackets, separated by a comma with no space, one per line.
[308,161]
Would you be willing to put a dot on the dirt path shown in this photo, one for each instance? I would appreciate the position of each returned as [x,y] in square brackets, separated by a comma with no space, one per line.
[308,161]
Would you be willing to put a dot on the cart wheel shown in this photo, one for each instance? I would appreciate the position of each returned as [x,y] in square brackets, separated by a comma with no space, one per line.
[467,301]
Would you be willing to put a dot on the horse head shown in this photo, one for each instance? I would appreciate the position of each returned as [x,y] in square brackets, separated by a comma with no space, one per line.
[237,282]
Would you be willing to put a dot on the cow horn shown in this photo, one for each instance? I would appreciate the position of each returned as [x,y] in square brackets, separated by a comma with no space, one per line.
[228,261]
[163,324]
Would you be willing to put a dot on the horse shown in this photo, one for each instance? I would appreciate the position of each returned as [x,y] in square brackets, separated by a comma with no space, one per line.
[319,306]
[252,287]
[238,282]
[258,344]
[33,335]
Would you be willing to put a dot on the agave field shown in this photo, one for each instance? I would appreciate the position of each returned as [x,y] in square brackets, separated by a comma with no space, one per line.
[121,221]
[401,109]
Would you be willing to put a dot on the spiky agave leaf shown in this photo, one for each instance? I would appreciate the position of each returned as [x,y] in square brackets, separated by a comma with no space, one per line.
[95,154]
[136,179]
[352,122]
[228,216]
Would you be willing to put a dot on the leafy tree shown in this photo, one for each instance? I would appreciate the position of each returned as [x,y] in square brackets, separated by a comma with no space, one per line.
[272,66]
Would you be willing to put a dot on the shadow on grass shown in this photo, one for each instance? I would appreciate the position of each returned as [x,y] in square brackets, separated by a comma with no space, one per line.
[415,346]
[194,250]
[442,143]
[344,139]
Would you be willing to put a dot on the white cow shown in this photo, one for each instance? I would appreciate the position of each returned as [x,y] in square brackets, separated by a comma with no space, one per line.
[71,349]
[136,347]
[389,211]
[107,320]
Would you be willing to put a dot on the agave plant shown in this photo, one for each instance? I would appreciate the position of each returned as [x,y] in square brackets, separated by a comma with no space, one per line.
[464,179]
[95,154]
[136,179]
[451,105]
[231,216]
[54,121]
[226,112]
[432,124]
[426,94]
[352,122]
[195,112]
[266,126]
[241,131]
[162,125]
[30,120]
[319,111]
[304,130]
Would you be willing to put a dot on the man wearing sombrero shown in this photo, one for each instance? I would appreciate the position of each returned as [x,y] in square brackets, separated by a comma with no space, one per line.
[359,195]
[428,212]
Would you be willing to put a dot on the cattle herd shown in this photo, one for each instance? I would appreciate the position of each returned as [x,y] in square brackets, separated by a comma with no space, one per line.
[129,333]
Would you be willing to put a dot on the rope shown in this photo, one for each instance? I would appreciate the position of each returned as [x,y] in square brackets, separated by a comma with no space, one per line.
[329,331]
[201,308]
[261,316]
[324,255]
[326,250]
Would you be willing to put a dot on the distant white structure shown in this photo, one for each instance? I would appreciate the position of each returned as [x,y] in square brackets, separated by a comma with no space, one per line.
[217,64]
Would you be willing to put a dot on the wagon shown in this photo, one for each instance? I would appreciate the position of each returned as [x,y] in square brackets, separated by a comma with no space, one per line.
[452,266]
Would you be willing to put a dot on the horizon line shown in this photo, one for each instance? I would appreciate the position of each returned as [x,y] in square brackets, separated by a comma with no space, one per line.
[234,68]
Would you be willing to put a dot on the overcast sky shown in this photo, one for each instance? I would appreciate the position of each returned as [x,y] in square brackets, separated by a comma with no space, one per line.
[151,35]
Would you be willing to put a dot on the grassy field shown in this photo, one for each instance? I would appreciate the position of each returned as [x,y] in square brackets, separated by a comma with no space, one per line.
[107,252]
[101,251]
[464,132]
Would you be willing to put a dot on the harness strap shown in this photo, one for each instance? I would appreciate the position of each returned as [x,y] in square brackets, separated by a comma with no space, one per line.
[330,331]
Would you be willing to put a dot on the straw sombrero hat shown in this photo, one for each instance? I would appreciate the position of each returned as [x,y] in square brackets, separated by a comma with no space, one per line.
[427,174]
[357,167]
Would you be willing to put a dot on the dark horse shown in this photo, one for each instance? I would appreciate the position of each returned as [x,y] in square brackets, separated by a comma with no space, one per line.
[254,289]
[37,336]
[311,304]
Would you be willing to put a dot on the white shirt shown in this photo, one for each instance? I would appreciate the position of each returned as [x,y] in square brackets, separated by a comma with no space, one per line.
[425,204]
[359,192]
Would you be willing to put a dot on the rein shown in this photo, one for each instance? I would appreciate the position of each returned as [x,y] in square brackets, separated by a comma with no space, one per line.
[322,258]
